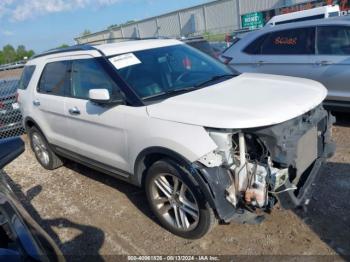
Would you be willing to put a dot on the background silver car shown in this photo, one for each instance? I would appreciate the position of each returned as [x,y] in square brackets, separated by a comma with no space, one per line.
[317,49]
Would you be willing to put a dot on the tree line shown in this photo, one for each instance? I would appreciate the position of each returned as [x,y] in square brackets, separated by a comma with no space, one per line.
[9,54]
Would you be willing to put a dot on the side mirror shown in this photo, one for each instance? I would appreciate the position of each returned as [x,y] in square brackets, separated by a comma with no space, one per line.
[99,96]
[10,149]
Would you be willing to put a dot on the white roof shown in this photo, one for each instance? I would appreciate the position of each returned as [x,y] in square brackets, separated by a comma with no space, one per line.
[322,10]
[111,49]
[137,45]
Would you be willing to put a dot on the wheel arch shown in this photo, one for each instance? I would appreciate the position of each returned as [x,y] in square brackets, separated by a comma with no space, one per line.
[30,122]
[149,156]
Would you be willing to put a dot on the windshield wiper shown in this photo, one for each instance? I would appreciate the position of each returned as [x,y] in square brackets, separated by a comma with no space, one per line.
[171,92]
[214,78]
[188,89]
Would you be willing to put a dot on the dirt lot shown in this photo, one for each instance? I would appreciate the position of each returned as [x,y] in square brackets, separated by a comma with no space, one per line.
[92,215]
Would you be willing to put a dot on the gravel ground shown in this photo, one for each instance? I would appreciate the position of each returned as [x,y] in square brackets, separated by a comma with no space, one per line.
[89,213]
[92,215]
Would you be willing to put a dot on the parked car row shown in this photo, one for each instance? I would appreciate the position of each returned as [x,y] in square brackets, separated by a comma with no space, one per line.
[11,123]
[11,66]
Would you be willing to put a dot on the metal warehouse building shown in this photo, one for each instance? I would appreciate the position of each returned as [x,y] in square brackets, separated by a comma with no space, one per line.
[213,18]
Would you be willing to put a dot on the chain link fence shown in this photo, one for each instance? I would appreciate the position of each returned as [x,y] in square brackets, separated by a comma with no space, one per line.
[10,114]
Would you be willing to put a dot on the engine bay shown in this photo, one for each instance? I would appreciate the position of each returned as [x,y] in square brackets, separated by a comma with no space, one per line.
[263,164]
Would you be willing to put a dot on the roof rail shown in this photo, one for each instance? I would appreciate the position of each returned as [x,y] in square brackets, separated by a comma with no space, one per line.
[67,49]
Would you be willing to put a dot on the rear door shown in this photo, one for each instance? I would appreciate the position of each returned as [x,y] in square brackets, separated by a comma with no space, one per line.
[287,52]
[332,62]
[48,101]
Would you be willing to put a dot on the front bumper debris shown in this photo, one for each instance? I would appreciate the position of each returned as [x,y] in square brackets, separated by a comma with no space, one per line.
[282,142]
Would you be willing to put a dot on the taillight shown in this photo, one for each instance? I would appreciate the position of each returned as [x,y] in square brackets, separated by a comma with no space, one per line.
[225,59]
[2,105]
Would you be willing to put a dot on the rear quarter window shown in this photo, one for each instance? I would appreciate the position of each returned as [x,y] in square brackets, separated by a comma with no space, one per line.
[27,74]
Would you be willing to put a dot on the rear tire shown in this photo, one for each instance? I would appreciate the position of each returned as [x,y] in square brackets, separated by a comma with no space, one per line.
[41,148]
[176,201]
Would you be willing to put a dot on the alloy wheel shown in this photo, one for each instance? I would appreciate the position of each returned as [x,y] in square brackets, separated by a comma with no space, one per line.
[40,149]
[175,202]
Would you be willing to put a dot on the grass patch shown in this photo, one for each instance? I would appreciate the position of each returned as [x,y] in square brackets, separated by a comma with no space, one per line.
[214,38]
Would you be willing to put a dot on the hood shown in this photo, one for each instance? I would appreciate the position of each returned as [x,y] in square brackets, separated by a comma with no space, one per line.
[247,101]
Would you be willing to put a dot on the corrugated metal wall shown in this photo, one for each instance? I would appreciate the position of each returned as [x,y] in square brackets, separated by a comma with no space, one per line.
[258,5]
[148,28]
[192,21]
[116,33]
[169,25]
[221,16]
[130,31]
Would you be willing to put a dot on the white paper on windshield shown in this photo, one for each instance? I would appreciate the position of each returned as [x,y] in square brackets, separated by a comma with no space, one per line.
[125,60]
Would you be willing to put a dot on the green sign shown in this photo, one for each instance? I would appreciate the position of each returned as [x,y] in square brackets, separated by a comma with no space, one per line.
[253,20]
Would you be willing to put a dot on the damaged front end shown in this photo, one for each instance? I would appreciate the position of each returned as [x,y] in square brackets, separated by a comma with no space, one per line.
[253,169]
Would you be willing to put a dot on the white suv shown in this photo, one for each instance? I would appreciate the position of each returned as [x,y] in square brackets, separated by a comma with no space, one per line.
[205,144]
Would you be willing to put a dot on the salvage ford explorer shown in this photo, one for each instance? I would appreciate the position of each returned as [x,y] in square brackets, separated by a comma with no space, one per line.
[205,144]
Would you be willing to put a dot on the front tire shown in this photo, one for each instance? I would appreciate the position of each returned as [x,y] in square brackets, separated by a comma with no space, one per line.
[176,201]
[41,148]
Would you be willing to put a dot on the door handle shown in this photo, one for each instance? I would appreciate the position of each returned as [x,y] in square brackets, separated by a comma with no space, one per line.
[323,63]
[74,111]
[36,102]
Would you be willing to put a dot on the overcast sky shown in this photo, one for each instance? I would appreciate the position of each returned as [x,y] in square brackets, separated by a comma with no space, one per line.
[45,24]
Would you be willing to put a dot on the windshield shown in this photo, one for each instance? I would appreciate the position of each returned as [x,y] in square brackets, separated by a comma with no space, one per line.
[167,70]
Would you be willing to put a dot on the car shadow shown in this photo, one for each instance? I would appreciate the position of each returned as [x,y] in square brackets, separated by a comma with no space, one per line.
[342,119]
[328,213]
[135,194]
[84,247]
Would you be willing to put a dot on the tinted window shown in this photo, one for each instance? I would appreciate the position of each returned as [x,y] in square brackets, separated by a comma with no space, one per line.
[254,48]
[203,46]
[300,41]
[55,78]
[26,76]
[88,74]
[333,40]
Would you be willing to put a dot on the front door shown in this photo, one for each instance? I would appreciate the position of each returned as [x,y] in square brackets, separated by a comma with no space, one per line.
[97,131]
